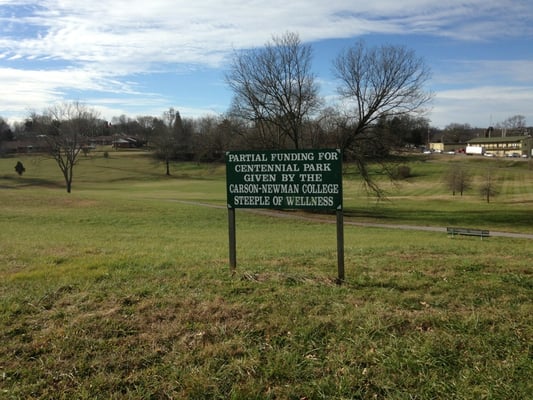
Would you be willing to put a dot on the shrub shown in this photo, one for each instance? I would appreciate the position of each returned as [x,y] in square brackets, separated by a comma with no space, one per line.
[402,172]
[20,168]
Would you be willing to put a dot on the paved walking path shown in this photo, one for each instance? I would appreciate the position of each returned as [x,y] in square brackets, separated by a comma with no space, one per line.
[329,220]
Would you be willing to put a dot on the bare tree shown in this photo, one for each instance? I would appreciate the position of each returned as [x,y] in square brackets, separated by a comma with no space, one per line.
[488,188]
[376,82]
[171,137]
[516,122]
[66,128]
[146,127]
[457,133]
[407,130]
[211,138]
[5,132]
[457,179]
[274,89]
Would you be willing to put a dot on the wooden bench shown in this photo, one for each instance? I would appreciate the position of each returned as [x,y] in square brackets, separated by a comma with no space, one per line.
[468,232]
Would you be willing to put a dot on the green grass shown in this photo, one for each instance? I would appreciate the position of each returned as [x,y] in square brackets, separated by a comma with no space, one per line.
[424,199]
[122,290]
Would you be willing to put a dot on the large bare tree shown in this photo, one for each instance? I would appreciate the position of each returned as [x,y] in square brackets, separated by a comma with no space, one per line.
[66,128]
[274,89]
[377,82]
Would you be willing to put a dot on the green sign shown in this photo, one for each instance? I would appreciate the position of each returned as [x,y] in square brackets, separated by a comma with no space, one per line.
[284,179]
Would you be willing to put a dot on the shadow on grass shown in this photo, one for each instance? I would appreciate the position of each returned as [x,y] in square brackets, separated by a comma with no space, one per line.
[154,174]
[20,182]
[471,218]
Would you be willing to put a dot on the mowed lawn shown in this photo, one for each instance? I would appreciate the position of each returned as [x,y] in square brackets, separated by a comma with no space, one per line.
[122,289]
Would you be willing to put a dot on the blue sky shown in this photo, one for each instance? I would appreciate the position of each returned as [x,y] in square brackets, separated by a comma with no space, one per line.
[138,57]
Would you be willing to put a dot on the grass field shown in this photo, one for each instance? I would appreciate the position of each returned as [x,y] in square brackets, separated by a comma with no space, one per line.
[122,289]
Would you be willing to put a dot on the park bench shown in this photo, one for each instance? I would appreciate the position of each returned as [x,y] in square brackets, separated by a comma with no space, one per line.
[468,232]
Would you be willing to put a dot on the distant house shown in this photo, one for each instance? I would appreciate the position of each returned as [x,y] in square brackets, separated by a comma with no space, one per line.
[126,142]
[30,145]
[101,140]
[509,146]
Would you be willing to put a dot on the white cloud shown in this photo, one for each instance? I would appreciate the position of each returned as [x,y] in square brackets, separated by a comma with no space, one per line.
[475,72]
[50,47]
[205,31]
[39,89]
[483,105]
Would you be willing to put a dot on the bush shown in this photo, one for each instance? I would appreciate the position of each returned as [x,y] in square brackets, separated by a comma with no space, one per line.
[20,168]
[402,172]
